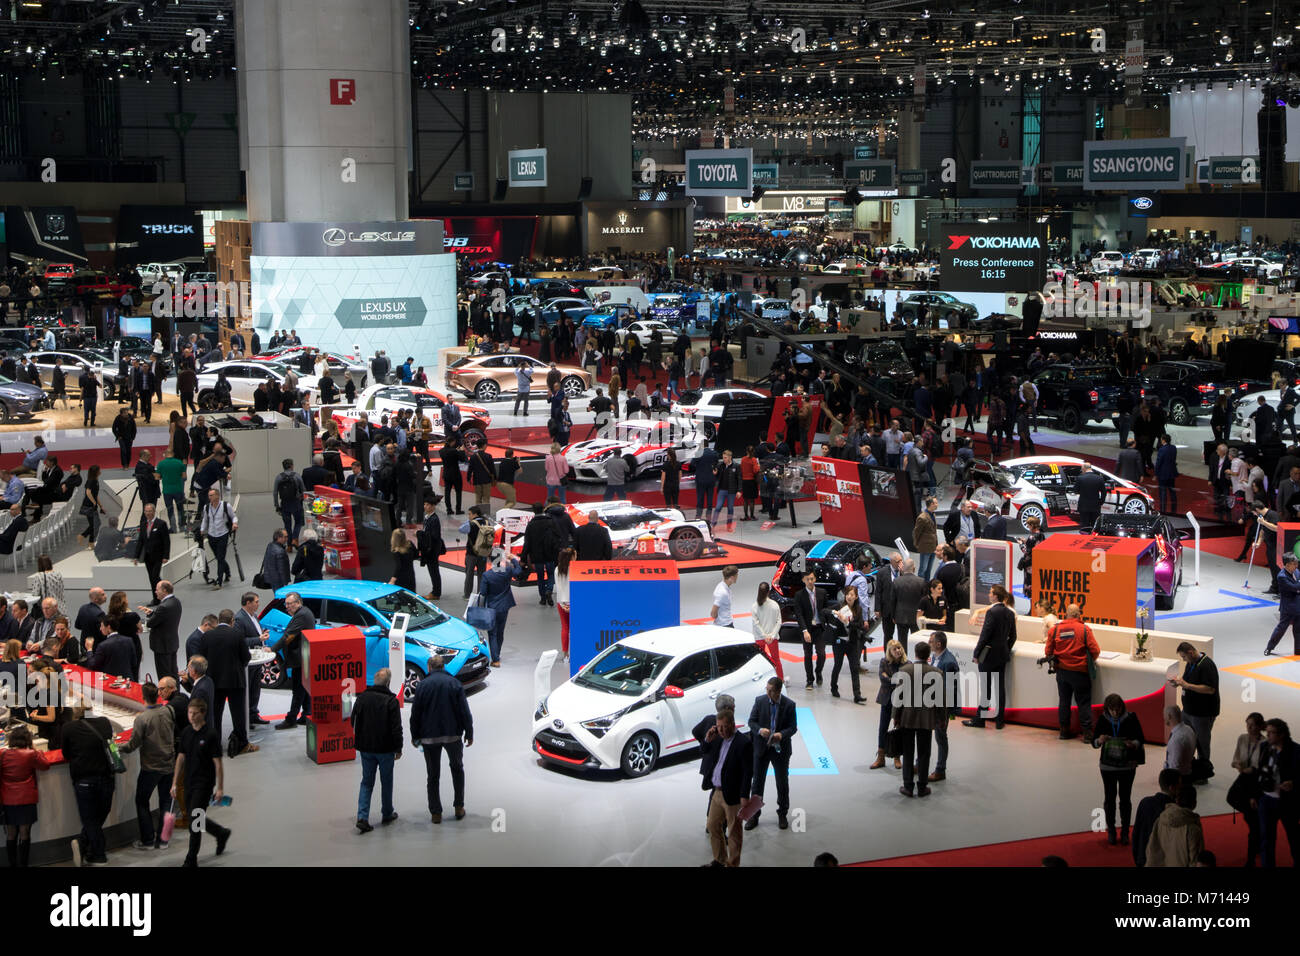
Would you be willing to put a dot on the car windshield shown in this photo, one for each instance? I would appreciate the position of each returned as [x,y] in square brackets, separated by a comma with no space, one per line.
[461,361]
[423,614]
[690,397]
[623,670]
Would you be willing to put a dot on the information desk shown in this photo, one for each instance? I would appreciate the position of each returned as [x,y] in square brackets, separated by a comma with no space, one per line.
[57,818]
[1031,693]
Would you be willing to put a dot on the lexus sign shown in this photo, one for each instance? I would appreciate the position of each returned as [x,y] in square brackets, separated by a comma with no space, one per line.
[993,257]
[405,238]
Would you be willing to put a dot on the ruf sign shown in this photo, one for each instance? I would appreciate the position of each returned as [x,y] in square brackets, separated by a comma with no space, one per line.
[343,92]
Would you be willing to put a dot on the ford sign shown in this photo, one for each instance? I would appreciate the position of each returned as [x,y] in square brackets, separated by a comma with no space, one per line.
[1142,202]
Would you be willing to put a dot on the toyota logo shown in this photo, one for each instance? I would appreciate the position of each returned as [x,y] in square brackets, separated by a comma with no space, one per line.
[334,237]
[1143,202]
[557,724]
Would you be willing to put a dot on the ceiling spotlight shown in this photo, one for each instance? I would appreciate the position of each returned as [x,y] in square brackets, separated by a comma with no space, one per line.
[1225,40]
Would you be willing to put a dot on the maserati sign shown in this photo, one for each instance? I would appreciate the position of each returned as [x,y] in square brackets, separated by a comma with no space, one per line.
[622,229]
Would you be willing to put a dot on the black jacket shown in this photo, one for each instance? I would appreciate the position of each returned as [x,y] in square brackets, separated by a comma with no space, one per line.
[429,540]
[291,640]
[952,525]
[737,770]
[309,562]
[760,716]
[155,546]
[83,747]
[377,721]
[275,566]
[996,528]
[164,626]
[1144,822]
[87,622]
[114,655]
[803,609]
[440,709]
[543,540]
[227,654]
[1091,488]
[593,542]
[906,595]
[998,635]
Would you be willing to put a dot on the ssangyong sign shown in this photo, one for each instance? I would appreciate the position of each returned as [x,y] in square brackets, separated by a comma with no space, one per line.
[1135,164]
[993,257]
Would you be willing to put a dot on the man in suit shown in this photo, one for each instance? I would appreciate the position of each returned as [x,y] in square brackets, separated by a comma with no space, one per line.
[200,684]
[592,540]
[908,591]
[17,524]
[90,614]
[916,716]
[111,653]
[250,629]
[706,480]
[992,654]
[995,529]
[153,545]
[772,723]
[164,619]
[227,654]
[885,593]
[89,397]
[1167,475]
[946,661]
[26,623]
[300,619]
[1091,489]
[431,547]
[727,766]
[965,521]
[1288,586]
[810,611]
[1128,464]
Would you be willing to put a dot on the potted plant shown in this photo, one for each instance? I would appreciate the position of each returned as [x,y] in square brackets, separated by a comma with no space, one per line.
[1140,650]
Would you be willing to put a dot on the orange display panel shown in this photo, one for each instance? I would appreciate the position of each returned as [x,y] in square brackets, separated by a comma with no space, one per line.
[1109,578]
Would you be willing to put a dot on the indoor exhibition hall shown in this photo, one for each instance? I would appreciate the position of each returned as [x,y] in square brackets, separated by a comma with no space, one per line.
[621,433]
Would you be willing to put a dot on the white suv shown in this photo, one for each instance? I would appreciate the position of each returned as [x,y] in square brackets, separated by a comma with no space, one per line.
[641,697]
[1108,261]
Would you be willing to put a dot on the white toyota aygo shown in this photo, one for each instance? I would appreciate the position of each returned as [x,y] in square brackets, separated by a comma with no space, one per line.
[641,697]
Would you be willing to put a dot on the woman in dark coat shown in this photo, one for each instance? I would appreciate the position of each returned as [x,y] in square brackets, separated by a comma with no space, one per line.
[403,560]
[309,562]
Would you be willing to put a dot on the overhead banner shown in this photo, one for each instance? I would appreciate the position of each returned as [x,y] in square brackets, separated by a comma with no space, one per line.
[158,234]
[1062,175]
[507,239]
[1135,164]
[993,256]
[411,237]
[719,172]
[1229,170]
[913,177]
[995,174]
[51,233]
[864,151]
[767,174]
[1134,63]
[527,167]
[873,174]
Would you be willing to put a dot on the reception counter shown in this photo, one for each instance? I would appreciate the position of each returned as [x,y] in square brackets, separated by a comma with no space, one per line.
[1031,693]
[57,818]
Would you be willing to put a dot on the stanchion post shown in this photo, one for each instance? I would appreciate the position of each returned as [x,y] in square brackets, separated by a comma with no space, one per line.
[1196,529]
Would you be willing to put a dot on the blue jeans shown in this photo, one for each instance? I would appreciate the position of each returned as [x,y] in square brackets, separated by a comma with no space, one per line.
[545,578]
[94,801]
[615,491]
[369,764]
[556,492]
[727,498]
[292,521]
[175,502]
[146,784]
[926,565]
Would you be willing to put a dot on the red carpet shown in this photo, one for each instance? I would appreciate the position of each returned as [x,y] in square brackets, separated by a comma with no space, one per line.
[105,458]
[742,556]
[1226,547]
[1223,837]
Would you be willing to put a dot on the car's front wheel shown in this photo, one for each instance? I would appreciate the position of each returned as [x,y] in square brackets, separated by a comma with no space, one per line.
[471,435]
[640,754]
[1033,510]
[1071,421]
[571,386]
[413,677]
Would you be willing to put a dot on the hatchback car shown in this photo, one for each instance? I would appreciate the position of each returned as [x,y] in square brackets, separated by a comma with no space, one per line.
[644,444]
[640,698]
[641,330]
[380,400]
[1044,484]
[73,366]
[244,377]
[370,606]
[1169,548]
[19,400]
[831,559]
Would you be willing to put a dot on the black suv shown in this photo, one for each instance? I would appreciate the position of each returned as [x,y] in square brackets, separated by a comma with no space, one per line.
[1074,394]
[1189,389]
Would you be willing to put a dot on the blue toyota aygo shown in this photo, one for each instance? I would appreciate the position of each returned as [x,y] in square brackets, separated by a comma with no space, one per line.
[370,606]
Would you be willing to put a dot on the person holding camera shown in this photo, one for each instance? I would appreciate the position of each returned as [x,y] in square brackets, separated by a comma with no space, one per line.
[1119,738]
[1279,766]
[1073,645]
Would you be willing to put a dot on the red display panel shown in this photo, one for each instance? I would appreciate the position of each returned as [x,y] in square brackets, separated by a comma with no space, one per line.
[839,494]
[490,238]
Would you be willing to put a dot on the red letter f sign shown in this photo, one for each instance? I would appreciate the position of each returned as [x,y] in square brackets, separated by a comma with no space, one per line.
[343,92]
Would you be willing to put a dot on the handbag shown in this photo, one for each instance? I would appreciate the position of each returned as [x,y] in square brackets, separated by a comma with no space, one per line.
[168,823]
[893,746]
[260,583]
[479,615]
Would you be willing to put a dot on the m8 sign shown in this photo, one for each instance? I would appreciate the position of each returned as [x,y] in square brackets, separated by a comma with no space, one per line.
[993,257]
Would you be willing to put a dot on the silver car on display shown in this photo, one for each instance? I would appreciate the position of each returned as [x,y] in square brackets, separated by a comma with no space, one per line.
[640,698]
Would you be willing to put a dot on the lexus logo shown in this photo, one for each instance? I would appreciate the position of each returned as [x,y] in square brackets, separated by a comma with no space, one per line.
[334,237]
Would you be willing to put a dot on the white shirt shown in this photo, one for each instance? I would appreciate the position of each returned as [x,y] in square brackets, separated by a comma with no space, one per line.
[766,619]
[722,601]
[214,520]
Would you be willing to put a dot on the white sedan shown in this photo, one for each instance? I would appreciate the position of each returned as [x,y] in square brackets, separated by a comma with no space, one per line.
[643,443]
[1110,261]
[641,697]
[244,376]
[643,329]
[706,406]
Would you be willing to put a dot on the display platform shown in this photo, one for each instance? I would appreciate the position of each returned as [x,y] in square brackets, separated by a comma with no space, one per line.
[741,555]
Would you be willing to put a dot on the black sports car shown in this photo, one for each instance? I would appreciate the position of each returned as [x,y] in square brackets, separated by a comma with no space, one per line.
[829,558]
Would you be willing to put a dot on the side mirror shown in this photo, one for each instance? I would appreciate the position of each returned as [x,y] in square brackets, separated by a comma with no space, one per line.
[673,692]
[374,630]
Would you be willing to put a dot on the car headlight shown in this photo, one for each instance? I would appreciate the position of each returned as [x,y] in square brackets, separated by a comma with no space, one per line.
[604,456]
[601,725]
[541,711]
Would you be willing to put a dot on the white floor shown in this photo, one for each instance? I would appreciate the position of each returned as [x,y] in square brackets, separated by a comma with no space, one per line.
[1001,786]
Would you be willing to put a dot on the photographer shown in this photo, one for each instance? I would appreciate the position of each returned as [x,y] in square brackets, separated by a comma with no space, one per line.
[1073,645]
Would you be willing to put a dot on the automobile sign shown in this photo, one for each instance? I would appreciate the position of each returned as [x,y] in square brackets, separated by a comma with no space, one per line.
[1134,164]
[719,172]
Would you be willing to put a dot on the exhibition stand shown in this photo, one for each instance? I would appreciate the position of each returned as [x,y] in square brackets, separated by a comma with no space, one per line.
[58,820]
[259,451]
[610,600]
[334,672]
[1070,569]
[864,502]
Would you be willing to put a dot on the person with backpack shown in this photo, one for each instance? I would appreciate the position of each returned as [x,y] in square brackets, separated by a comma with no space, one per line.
[483,476]
[478,547]
[287,495]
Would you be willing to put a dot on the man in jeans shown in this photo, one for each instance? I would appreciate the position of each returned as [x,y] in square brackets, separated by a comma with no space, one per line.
[154,735]
[172,472]
[728,476]
[615,478]
[92,784]
[1200,684]
[1072,642]
[377,728]
[440,719]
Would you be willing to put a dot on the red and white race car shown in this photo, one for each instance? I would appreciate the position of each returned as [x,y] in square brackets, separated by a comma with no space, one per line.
[643,443]
[1040,485]
[380,400]
[635,531]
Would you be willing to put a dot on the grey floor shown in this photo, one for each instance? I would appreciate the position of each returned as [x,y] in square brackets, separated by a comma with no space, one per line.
[1001,786]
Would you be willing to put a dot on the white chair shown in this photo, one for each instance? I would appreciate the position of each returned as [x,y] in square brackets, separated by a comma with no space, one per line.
[18,548]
